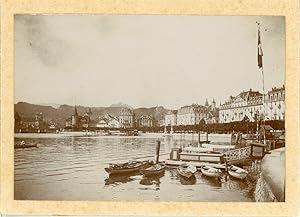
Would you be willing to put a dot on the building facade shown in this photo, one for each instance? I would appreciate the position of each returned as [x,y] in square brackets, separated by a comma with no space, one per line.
[251,105]
[108,121]
[145,121]
[126,118]
[275,106]
[248,105]
[77,122]
[171,118]
[192,114]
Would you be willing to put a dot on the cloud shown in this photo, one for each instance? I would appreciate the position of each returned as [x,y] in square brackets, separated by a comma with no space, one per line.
[36,36]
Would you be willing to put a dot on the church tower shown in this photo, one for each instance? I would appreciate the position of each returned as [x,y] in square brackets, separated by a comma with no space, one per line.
[74,119]
[206,103]
[213,105]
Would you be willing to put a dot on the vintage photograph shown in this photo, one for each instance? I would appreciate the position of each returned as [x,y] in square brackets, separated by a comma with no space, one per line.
[149,108]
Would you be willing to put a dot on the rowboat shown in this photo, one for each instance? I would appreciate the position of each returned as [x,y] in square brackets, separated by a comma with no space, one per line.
[156,169]
[128,167]
[210,171]
[24,145]
[237,172]
[186,170]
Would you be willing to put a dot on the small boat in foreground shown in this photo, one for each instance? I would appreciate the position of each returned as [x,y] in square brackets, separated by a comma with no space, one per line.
[156,169]
[237,172]
[211,171]
[24,145]
[128,167]
[186,170]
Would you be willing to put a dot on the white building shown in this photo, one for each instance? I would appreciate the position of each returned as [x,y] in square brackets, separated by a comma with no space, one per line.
[108,121]
[275,108]
[126,118]
[192,114]
[247,105]
[171,118]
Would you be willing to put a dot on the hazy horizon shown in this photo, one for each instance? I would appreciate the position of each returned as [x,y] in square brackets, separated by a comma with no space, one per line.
[144,61]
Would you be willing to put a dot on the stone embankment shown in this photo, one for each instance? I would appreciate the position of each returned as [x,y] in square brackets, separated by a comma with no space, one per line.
[270,185]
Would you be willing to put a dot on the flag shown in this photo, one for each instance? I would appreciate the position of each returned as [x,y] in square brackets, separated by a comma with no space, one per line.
[259,51]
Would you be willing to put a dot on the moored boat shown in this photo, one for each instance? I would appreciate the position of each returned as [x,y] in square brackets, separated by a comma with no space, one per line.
[128,167]
[156,169]
[237,172]
[211,171]
[186,170]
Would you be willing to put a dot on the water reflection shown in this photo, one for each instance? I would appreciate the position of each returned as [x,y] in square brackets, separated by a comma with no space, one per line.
[187,181]
[68,168]
[212,181]
[115,179]
[152,180]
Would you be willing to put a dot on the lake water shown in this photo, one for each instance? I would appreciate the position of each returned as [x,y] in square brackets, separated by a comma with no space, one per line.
[72,168]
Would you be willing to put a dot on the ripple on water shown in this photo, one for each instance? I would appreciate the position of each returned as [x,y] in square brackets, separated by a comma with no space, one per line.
[73,168]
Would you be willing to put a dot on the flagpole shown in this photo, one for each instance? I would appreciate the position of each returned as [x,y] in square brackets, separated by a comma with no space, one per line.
[264,104]
[260,65]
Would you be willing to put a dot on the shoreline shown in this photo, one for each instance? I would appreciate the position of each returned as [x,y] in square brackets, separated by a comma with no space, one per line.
[180,136]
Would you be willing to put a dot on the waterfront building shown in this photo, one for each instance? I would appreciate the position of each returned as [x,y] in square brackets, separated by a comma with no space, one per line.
[161,121]
[248,105]
[108,121]
[192,114]
[30,124]
[126,118]
[77,122]
[275,108]
[145,121]
[171,118]
[213,113]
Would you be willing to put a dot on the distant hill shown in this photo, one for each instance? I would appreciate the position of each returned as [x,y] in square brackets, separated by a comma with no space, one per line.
[60,114]
[120,104]
[54,105]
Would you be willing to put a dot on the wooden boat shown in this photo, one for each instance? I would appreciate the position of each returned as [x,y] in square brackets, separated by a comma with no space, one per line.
[237,172]
[210,171]
[128,167]
[24,145]
[186,170]
[156,169]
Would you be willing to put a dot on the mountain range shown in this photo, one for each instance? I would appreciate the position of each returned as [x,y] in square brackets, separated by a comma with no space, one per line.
[60,113]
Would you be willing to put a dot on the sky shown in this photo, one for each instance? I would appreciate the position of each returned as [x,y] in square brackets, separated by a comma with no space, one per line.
[144,61]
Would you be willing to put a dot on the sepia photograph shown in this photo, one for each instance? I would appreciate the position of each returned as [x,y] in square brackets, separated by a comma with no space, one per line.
[149,108]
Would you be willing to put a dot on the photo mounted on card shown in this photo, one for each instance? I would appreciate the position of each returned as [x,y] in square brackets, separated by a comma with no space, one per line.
[120,111]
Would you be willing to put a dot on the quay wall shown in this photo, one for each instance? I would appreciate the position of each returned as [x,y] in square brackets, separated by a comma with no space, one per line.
[270,185]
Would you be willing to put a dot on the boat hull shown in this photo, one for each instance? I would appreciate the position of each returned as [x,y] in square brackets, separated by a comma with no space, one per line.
[212,174]
[240,176]
[124,171]
[237,172]
[25,146]
[153,171]
[186,171]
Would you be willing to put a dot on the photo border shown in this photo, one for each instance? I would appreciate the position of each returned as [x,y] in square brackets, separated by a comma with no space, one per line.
[286,8]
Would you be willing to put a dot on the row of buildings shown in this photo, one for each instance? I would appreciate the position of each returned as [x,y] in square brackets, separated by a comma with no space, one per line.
[125,119]
[36,123]
[248,105]
[252,105]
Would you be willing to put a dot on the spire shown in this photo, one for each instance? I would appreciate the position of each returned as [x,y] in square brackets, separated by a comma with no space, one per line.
[75,112]
[206,103]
